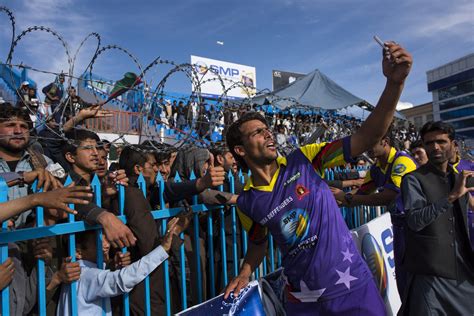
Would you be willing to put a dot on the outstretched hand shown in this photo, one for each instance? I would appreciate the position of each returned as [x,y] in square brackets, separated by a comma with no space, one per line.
[396,62]
[94,111]
[60,198]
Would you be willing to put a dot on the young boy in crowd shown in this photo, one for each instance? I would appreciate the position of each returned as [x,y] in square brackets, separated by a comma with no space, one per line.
[97,286]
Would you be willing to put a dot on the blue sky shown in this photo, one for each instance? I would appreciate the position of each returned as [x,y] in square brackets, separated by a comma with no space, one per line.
[294,35]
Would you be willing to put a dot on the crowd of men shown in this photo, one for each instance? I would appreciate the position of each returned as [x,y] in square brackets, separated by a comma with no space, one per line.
[424,184]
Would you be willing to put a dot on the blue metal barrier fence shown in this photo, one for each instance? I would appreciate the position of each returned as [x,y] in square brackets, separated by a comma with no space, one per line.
[207,285]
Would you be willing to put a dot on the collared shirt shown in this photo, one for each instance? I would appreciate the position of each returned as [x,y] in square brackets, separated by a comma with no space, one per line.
[398,164]
[319,257]
[430,292]
[15,192]
[463,164]
[96,284]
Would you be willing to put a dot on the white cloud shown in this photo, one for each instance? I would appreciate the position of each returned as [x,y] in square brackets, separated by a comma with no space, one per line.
[404,105]
[41,50]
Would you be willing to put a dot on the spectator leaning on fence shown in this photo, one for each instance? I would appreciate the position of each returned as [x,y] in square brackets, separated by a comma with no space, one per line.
[50,135]
[16,155]
[325,273]
[23,287]
[439,256]
[80,150]
[224,158]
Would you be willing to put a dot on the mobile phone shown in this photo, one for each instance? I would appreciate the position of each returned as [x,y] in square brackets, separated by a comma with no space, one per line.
[470,182]
[379,41]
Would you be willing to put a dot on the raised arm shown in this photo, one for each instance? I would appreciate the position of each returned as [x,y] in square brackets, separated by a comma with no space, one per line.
[396,66]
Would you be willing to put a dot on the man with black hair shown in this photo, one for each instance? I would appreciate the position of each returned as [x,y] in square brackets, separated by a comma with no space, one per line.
[382,187]
[385,176]
[81,151]
[224,158]
[418,152]
[140,159]
[52,141]
[16,155]
[325,275]
[439,257]
[74,103]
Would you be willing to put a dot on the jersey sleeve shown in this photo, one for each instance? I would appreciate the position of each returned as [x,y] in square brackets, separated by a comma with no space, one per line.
[368,186]
[257,233]
[401,166]
[327,155]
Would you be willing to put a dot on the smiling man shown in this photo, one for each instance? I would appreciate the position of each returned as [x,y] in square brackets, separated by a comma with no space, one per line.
[325,274]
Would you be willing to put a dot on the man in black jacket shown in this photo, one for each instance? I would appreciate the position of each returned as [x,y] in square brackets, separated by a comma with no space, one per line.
[439,256]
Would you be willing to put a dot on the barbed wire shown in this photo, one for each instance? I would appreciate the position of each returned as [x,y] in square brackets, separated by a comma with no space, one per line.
[145,110]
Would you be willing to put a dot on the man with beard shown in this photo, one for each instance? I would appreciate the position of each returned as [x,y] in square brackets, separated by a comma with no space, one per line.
[325,275]
[439,257]
[16,156]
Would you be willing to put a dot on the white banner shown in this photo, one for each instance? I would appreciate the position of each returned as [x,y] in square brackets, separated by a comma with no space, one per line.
[242,79]
[375,243]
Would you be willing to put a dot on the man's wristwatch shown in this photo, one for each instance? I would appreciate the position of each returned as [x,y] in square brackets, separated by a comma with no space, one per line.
[348,197]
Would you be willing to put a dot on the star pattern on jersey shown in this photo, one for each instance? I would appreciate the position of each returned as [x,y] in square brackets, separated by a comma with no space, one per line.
[347,238]
[345,278]
[347,255]
[306,295]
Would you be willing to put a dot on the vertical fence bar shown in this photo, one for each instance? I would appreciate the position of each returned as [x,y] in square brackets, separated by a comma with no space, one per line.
[121,201]
[40,262]
[234,227]
[72,253]
[223,243]
[4,249]
[210,244]
[197,244]
[142,186]
[244,232]
[96,188]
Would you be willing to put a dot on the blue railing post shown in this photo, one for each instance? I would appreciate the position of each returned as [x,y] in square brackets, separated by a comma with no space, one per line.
[234,226]
[40,262]
[72,253]
[223,243]
[121,201]
[4,249]
[142,185]
[97,189]
[197,244]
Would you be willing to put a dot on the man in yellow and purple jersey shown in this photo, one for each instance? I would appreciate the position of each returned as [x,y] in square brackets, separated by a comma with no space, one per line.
[325,275]
[381,187]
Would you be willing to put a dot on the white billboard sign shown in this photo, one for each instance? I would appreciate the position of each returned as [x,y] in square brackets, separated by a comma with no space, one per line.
[375,243]
[239,80]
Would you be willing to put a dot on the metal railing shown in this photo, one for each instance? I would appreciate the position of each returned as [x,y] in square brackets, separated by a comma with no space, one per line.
[201,212]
